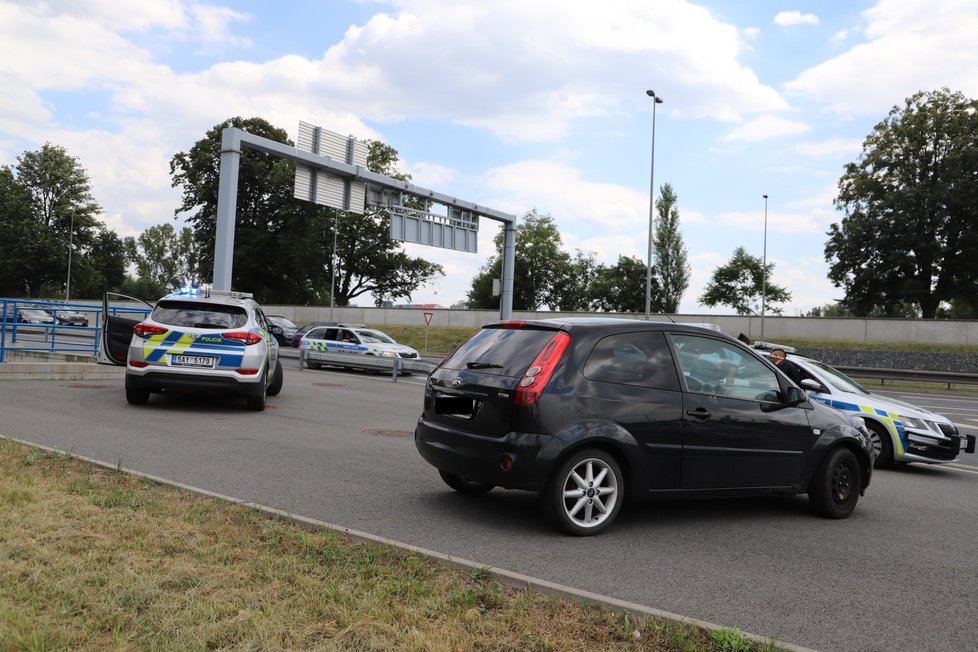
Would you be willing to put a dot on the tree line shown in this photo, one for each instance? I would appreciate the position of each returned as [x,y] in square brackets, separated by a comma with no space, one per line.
[903,247]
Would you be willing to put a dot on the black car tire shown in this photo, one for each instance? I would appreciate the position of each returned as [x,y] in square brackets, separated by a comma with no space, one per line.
[463,486]
[277,380]
[585,493]
[136,396]
[882,443]
[257,401]
[834,491]
[313,365]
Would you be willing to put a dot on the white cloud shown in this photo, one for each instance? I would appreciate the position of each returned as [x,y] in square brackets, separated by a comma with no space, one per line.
[910,46]
[574,202]
[778,221]
[766,127]
[212,26]
[836,147]
[431,175]
[792,18]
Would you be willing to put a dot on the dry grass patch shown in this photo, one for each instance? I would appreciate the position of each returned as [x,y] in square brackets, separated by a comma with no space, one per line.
[96,559]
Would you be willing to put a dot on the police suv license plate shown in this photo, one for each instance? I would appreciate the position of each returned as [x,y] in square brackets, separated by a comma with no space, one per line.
[192,361]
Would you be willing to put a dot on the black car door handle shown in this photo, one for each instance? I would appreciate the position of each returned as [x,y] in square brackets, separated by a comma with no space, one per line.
[699,413]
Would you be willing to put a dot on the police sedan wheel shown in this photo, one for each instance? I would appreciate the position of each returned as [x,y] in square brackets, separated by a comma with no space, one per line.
[882,444]
[585,494]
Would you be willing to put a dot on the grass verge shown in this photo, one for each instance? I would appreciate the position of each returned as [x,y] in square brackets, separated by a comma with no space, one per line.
[97,559]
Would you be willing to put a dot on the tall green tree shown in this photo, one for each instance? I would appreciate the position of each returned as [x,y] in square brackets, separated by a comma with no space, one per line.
[18,234]
[621,287]
[165,260]
[669,254]
[60,216]
[542,269]
[283,246]
[573,292]
[740,284]
[911,205]
[102,268]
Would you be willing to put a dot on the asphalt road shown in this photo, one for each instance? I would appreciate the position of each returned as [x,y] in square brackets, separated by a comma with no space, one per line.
[900,574]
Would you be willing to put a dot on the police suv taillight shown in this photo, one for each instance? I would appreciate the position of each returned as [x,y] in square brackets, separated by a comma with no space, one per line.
[248,337]
[144,330]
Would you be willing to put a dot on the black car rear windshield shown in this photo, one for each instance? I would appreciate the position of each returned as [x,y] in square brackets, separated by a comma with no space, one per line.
[501,351]
[193,314]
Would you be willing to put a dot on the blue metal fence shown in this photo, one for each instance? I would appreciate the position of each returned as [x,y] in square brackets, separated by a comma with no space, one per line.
[17,333]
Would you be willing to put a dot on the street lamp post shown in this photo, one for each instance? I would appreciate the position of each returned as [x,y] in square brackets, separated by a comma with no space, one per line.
[764,271]
[648,263]
[71,238]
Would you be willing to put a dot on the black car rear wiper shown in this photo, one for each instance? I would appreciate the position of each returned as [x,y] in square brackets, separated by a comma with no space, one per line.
[483,365]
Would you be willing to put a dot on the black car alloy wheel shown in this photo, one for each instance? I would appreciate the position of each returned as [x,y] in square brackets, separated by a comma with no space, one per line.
[585,494]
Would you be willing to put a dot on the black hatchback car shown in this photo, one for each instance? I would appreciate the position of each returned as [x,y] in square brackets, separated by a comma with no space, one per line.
[591,411]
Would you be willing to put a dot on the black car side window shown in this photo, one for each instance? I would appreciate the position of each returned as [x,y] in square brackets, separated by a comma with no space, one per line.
[641,358]
[711,366]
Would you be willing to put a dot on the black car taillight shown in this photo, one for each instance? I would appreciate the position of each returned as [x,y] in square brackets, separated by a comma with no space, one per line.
[535,380]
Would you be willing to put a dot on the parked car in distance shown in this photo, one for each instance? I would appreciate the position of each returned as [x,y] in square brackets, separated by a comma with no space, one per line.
[353,339]
[901,432]
[282,329]
[590,412]
[195,340]
[68,316]
[34,316]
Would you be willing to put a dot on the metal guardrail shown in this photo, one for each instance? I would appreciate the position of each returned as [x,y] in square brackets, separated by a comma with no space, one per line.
[948,378]
[370,362]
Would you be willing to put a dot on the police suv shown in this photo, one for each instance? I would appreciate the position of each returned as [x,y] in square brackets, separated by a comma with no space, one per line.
[194,340]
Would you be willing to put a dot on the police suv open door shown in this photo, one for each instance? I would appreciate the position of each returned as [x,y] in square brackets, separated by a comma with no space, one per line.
[117,325]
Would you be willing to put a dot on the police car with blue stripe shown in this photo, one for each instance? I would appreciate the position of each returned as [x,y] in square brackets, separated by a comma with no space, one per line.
[354,339]
[901,432]
[194,340]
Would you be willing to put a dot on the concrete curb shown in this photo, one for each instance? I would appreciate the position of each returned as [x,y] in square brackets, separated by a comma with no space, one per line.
[508,578]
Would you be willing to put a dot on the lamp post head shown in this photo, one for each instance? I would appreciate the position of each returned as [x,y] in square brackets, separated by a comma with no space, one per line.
[651,93]
[764,196]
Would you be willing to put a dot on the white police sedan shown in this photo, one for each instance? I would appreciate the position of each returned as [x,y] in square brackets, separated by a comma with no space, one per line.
[320,345]
[901,432]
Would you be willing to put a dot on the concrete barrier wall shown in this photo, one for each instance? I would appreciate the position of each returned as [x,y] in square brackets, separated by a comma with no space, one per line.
[807,328]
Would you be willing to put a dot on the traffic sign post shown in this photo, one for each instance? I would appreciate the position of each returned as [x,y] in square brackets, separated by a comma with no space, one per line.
[427,323]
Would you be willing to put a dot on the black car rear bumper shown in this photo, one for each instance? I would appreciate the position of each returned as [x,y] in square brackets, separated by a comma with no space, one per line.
[484,459]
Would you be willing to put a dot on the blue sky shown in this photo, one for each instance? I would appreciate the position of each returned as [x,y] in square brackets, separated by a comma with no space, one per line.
[513,104]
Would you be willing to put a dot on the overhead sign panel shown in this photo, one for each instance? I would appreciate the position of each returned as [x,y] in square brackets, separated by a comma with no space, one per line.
[455,232]
[458,230]
[321,187]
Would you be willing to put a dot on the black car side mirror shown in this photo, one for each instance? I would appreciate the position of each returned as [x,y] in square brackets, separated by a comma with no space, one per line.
[795,396]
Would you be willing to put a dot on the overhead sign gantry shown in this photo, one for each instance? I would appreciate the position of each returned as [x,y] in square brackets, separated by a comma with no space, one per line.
[331,171]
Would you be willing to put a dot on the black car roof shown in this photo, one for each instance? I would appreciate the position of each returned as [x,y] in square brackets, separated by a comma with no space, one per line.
[606,323]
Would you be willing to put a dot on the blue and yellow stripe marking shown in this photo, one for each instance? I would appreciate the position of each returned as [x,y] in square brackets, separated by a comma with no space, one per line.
[889,419]
[175,342]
